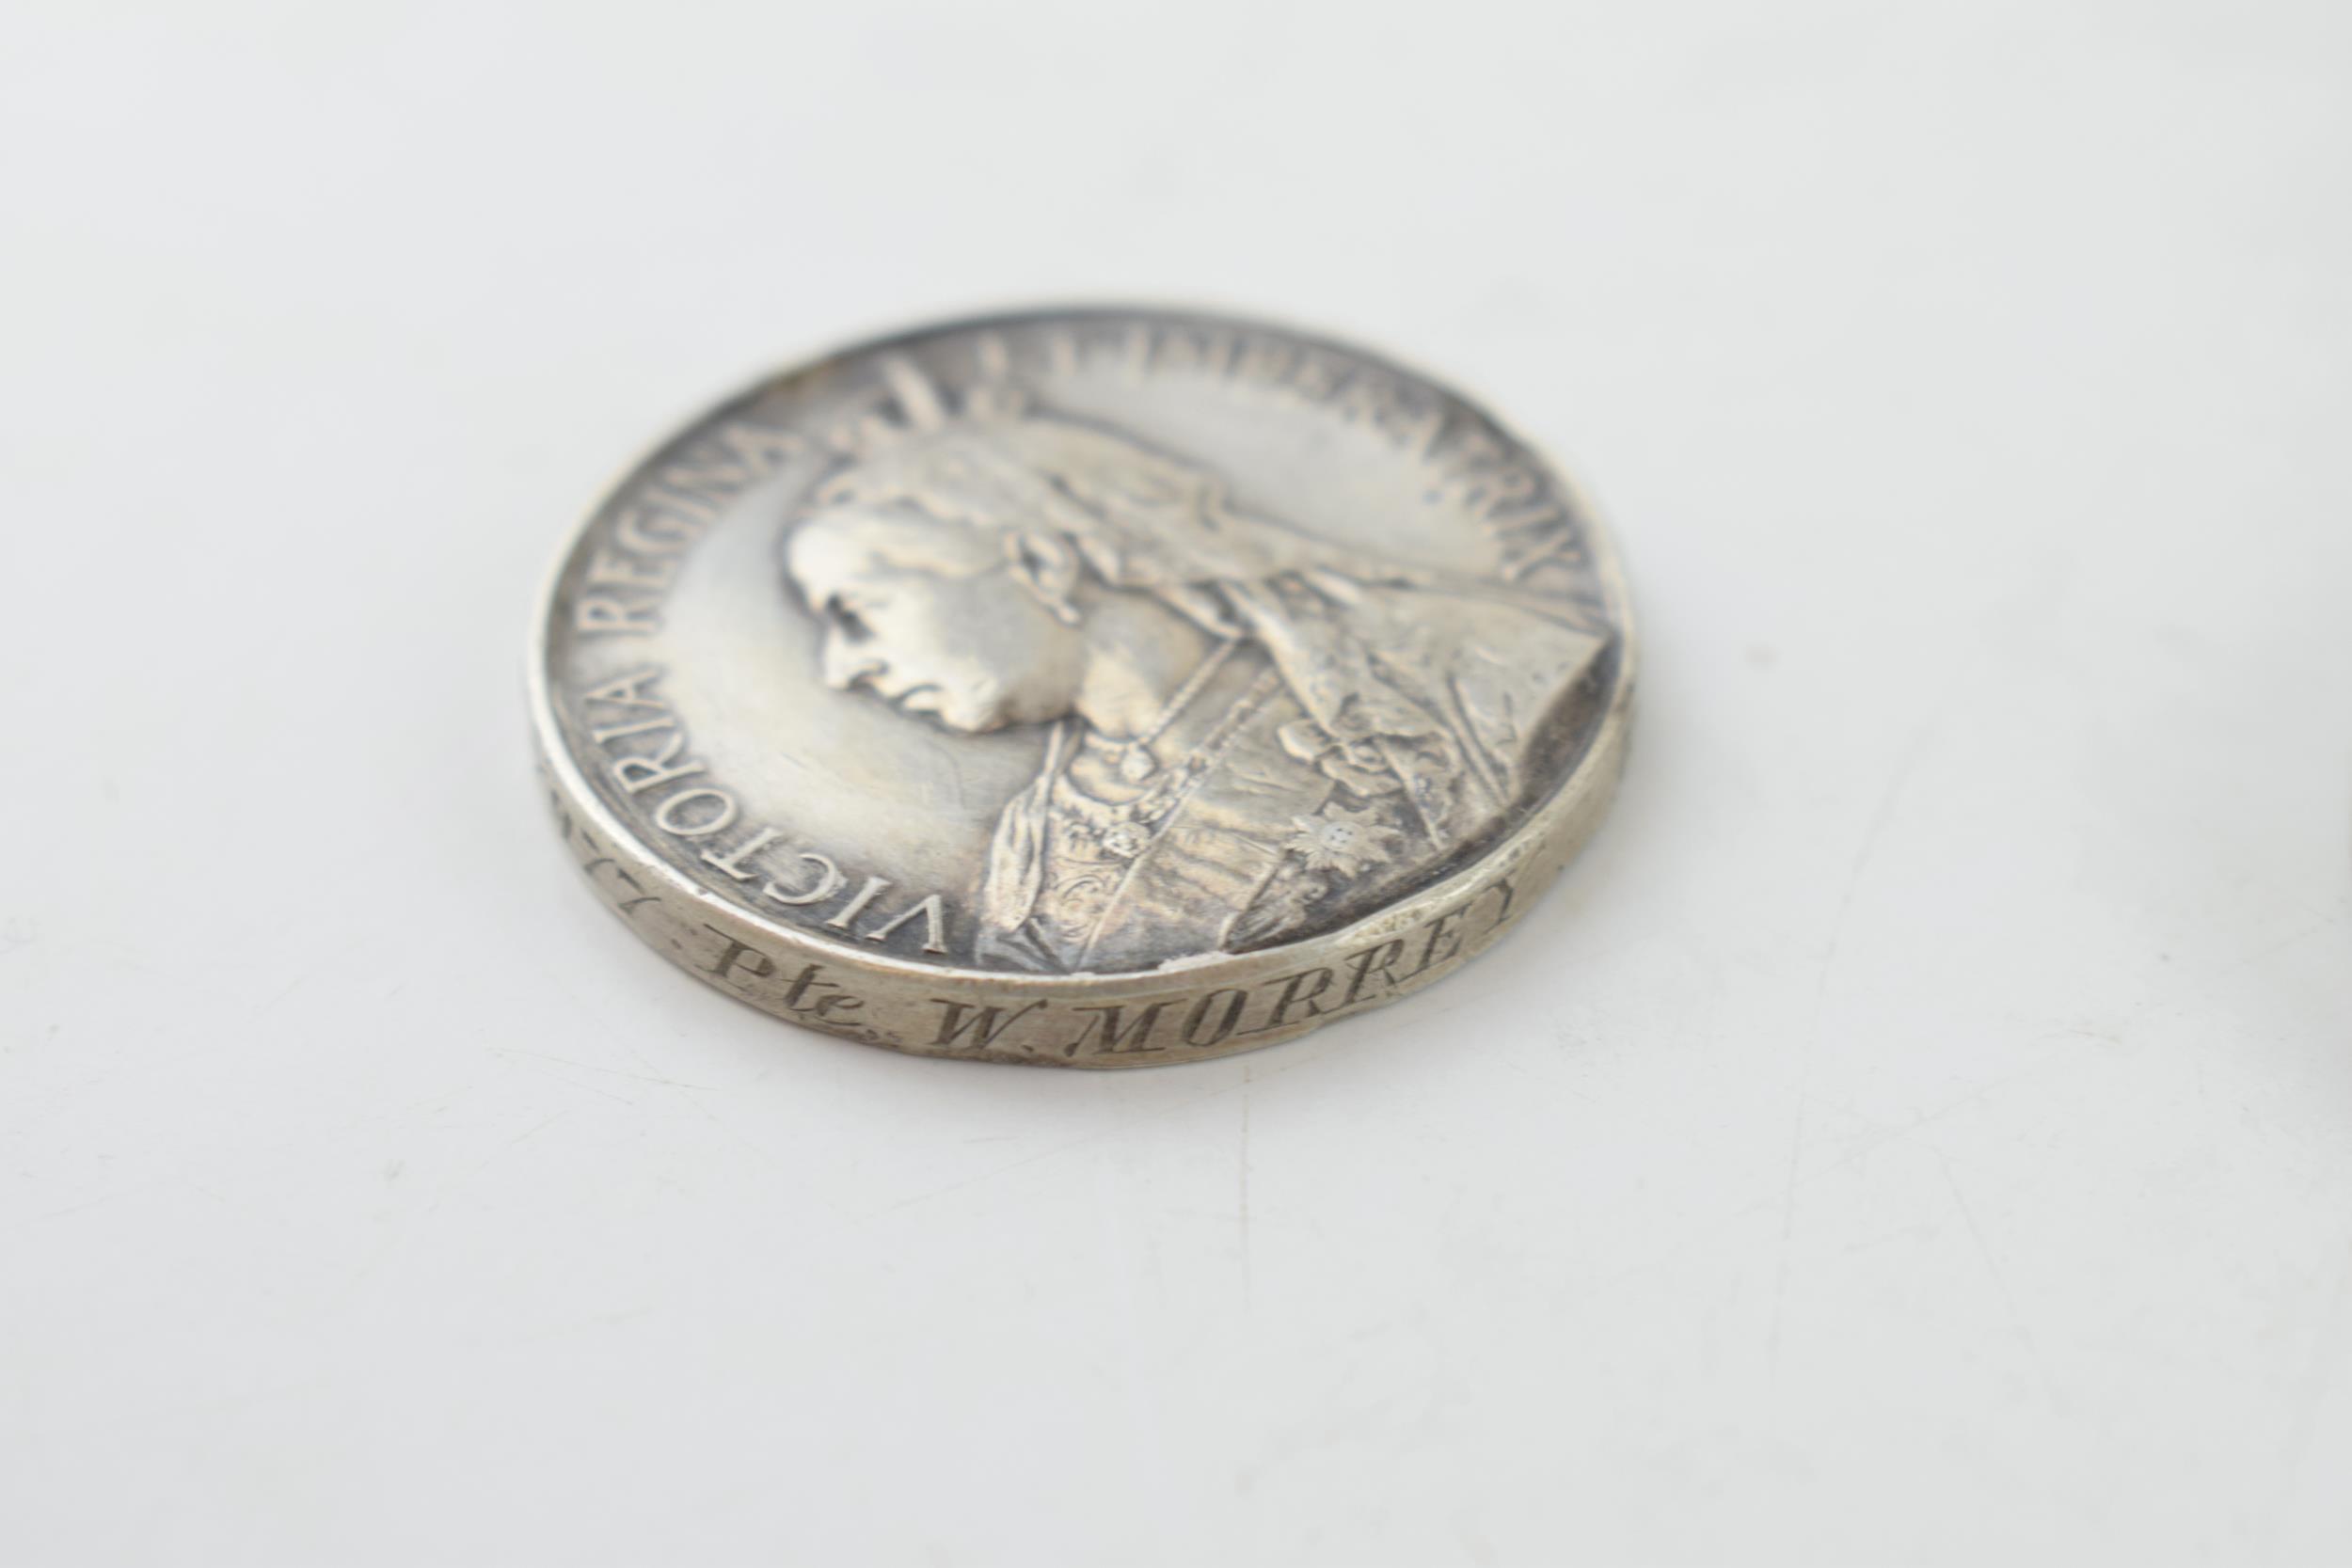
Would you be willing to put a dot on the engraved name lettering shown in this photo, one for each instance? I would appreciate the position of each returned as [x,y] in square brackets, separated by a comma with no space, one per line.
[1365,962]
[1117,1040]
[1201,1020]
[812,997]
[807,996]
[1298,990]
[986,1022]
[1214,1016]
[734,954]
[1444,932]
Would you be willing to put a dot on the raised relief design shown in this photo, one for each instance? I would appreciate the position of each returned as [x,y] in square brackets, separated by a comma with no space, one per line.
[1253,732]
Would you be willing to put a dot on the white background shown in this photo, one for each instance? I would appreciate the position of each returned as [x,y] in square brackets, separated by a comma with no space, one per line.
[1919,1129]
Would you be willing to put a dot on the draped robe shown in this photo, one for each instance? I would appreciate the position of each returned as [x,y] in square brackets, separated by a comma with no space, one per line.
[1363,736]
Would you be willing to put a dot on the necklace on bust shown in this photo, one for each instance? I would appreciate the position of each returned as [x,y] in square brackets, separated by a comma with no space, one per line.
[1133,756]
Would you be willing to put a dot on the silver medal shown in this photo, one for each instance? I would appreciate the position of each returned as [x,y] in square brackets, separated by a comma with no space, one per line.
[1090,689]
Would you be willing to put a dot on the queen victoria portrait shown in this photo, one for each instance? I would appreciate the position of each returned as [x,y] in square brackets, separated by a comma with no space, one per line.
[1249,730]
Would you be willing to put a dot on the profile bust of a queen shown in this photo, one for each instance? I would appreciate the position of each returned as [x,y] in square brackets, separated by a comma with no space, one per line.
[1252,733]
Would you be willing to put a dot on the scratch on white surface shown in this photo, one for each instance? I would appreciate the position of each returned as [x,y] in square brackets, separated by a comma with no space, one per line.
[114,1197]
[462,1183]
[2000,1283]
[2325,923]
[702,1107]
[1310,1051]
[592,1067]
[1920,1124]
[291,987]
[524,1138]
[1905,765]
[2313,1386]
[623,1043]
[1243,1198]
[976,1178]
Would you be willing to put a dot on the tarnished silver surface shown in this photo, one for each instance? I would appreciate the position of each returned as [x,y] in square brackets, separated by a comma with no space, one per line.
[1091,688]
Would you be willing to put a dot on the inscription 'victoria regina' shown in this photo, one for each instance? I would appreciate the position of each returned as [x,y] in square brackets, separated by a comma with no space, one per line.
[1259,720]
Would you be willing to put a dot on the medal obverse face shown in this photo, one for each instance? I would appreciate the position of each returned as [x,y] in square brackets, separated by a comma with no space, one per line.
[1091,688]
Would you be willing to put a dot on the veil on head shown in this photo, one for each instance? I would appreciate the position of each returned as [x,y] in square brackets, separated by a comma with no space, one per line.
[1364,645]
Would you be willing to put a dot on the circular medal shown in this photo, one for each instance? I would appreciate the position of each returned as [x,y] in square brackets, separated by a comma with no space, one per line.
[1082,687]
